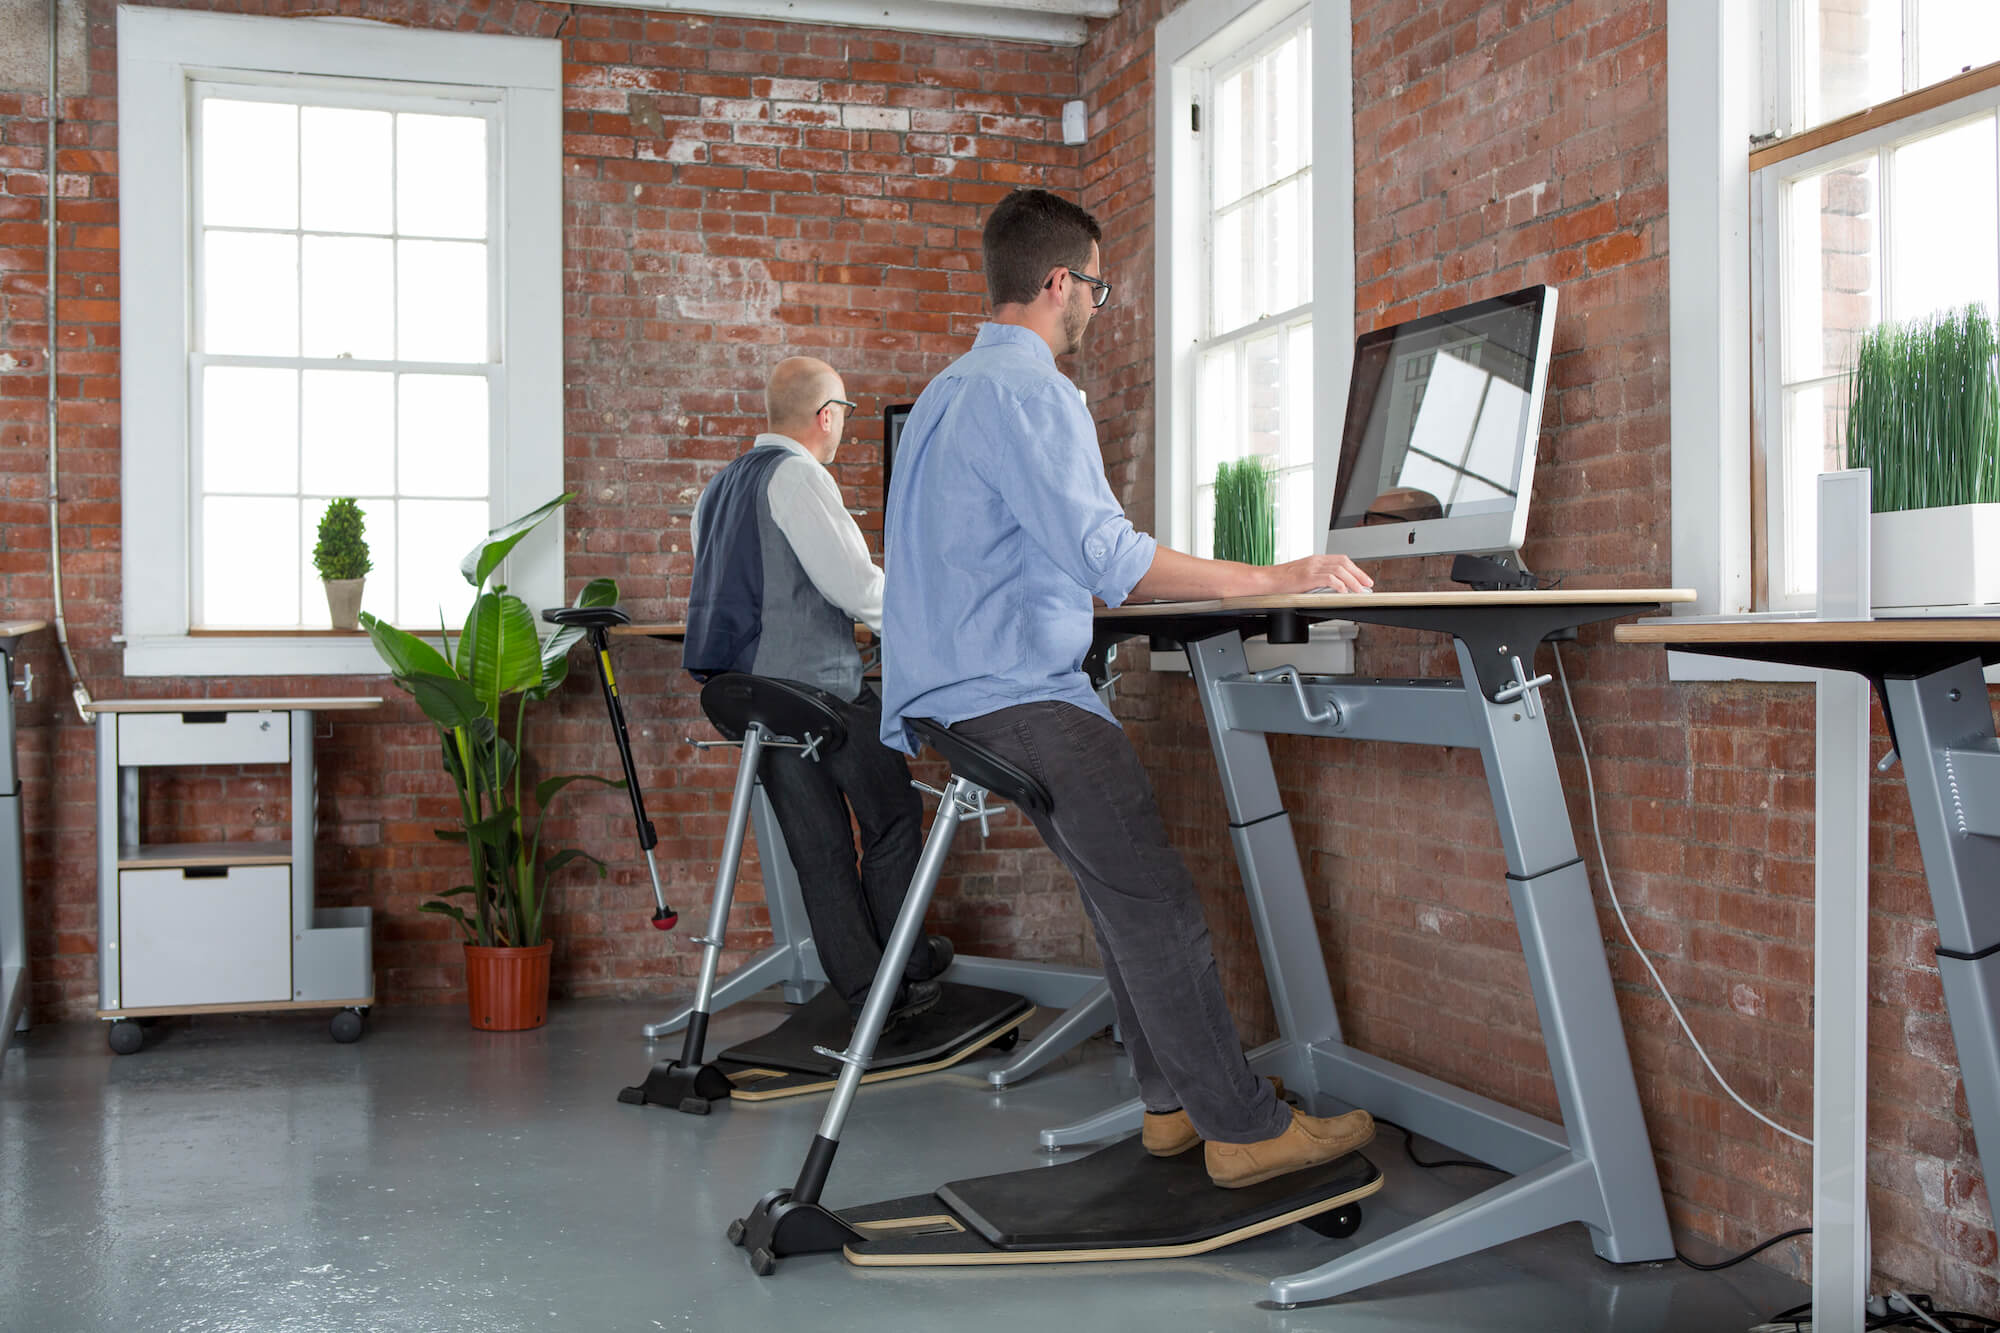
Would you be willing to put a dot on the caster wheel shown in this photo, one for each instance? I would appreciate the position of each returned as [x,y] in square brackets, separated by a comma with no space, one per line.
[347,1026]
[735,1233]
[126,1036]
[762,1262]
[1338,1224]
[1006,1041]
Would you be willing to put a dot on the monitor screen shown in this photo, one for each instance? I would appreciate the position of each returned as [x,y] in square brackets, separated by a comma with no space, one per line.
[893,417]
[1437,453]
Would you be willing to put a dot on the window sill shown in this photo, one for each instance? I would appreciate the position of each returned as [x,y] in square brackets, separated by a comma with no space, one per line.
[234,653]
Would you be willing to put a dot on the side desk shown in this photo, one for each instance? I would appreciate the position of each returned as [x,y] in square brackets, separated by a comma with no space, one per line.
[1596,1165]
[13,885]
[1929,675]
[1080,997]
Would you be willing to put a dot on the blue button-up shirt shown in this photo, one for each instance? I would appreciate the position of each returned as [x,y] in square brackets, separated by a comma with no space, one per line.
[1000,529]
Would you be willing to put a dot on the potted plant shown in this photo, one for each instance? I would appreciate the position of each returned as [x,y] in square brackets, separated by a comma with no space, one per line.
[476,693]
[1246,515]
[341,557]
[1925,421]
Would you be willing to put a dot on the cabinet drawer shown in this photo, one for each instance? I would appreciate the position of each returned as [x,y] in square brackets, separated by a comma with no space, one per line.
[189,937]
[204,738]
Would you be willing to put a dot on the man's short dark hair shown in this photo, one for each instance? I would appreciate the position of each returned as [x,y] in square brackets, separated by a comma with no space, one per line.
[1029,233]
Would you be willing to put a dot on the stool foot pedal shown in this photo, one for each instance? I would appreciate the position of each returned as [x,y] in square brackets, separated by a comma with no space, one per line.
[690,1089]
[780,1226]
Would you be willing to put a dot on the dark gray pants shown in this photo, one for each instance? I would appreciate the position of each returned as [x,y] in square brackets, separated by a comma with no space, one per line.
[852,909]
[1141,901]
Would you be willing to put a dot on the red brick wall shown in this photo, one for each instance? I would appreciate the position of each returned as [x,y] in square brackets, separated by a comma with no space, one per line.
[733,192]
[1498,145]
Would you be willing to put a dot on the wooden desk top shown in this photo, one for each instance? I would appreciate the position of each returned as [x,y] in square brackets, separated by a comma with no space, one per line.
[674,630]
[1913,629]
[343,705]
[14,629]
[1359,601]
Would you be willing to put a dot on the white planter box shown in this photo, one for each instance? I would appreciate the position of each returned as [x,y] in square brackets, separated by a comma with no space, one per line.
[1936,557]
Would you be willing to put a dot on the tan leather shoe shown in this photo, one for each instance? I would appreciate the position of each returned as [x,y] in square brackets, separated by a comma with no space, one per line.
[1308,1141]
[1171,1134]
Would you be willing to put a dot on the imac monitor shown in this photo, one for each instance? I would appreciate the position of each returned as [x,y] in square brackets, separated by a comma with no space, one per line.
[1437,454]
[893,418]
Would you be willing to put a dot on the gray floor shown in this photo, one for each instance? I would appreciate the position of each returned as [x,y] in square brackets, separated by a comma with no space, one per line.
[249,1174]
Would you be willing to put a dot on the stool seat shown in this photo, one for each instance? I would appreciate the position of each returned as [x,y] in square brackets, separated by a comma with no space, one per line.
[586,617]
[975,763]
[735,699]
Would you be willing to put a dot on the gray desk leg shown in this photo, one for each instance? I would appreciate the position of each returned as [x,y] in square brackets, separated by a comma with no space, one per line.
[791,961]
[13,889]
[1944,725]
[117,811]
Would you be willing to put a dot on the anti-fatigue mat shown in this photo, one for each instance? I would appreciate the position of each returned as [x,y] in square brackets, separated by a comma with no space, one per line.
[782,1062]
[1118,1203]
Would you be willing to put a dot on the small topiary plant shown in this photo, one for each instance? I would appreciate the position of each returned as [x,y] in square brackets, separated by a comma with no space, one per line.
[342,551]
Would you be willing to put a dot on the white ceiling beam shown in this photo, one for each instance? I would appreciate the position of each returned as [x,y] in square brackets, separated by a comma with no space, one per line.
[1047,22]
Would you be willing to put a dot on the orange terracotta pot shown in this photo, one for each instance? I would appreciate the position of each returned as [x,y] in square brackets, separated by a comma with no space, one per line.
[507,990]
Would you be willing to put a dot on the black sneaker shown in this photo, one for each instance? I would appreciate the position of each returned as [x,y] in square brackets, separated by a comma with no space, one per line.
[929,960]
[912,1000]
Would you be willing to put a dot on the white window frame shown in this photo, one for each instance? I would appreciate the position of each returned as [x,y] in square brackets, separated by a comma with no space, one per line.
[1188,44]
[160,54]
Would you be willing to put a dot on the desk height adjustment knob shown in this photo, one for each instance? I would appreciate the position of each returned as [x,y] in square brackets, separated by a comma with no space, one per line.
[1521,687]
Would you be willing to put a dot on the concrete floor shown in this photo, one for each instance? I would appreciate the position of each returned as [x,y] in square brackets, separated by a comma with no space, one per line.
[249,1174]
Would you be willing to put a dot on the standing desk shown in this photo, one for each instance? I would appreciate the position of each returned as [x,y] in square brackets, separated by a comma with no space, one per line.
[1595,1166]
[1933,690]
[1080,996]
[13,887]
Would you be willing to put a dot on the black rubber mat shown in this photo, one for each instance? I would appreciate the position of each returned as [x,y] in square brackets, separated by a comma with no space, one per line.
[962,1014]
[1118,1198]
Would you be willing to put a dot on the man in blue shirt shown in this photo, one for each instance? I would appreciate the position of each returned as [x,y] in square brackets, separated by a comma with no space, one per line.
[1000,530]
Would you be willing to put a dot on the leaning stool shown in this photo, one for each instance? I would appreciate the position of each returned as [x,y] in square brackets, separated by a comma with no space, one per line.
[793,1221]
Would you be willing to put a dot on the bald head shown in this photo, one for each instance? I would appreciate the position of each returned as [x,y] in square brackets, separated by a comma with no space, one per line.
[798,386]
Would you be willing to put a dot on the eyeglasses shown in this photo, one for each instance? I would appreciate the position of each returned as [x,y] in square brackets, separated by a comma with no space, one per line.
[1100,290]
[831,401]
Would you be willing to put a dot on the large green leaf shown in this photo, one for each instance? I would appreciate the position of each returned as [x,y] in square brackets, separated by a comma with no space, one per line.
[445,699]
[499,651]
[546,789]
[496,829]
[405,653]
[483,559]
[564,857]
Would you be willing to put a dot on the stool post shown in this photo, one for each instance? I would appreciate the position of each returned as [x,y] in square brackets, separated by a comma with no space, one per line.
[664,917]
[888,975]
[725,889]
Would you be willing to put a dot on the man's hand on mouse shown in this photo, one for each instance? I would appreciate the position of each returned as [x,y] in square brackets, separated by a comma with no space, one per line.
[1319,573]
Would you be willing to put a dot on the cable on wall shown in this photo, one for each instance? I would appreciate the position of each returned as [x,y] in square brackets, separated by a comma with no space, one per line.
[78,690]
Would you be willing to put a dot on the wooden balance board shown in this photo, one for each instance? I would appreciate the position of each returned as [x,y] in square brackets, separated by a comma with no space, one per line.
[1120,1202]
[782,1062]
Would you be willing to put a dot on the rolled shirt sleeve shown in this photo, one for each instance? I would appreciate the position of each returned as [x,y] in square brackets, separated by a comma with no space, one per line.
[1057,491]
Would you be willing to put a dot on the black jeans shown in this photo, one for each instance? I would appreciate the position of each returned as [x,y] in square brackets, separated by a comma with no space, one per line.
[852,911]
[1141,901]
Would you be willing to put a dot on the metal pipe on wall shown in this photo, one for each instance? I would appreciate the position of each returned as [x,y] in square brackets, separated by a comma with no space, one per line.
[78,690]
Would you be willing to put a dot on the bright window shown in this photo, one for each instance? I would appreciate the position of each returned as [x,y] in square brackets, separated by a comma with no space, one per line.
[1891,215]
[1253,365]
[349,284]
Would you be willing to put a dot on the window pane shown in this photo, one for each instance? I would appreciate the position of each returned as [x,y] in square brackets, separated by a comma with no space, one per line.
[378,594]
[1204,520]
[441,176]
[1858,54]
[1299,527]
[350,433]
[250,573]
[345,172]
[1942,234]
[433,536]
[1954,36]
[249,430]
[1232,144]
[1284,248]
[349,295]
[441,301]
[1232,281]
[1298,446]
[1832,285]
[249,164]
[1290,103]
[443,438]
[250,293]
[1815,442]
[1218,412]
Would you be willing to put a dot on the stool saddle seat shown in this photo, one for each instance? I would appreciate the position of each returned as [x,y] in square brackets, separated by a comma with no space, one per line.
[735,699]
[975,763]
[586,617]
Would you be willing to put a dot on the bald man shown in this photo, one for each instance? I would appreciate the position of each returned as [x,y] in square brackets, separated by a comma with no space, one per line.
[781,575]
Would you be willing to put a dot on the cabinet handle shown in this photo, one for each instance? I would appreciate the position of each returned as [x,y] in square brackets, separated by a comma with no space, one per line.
[204,872]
